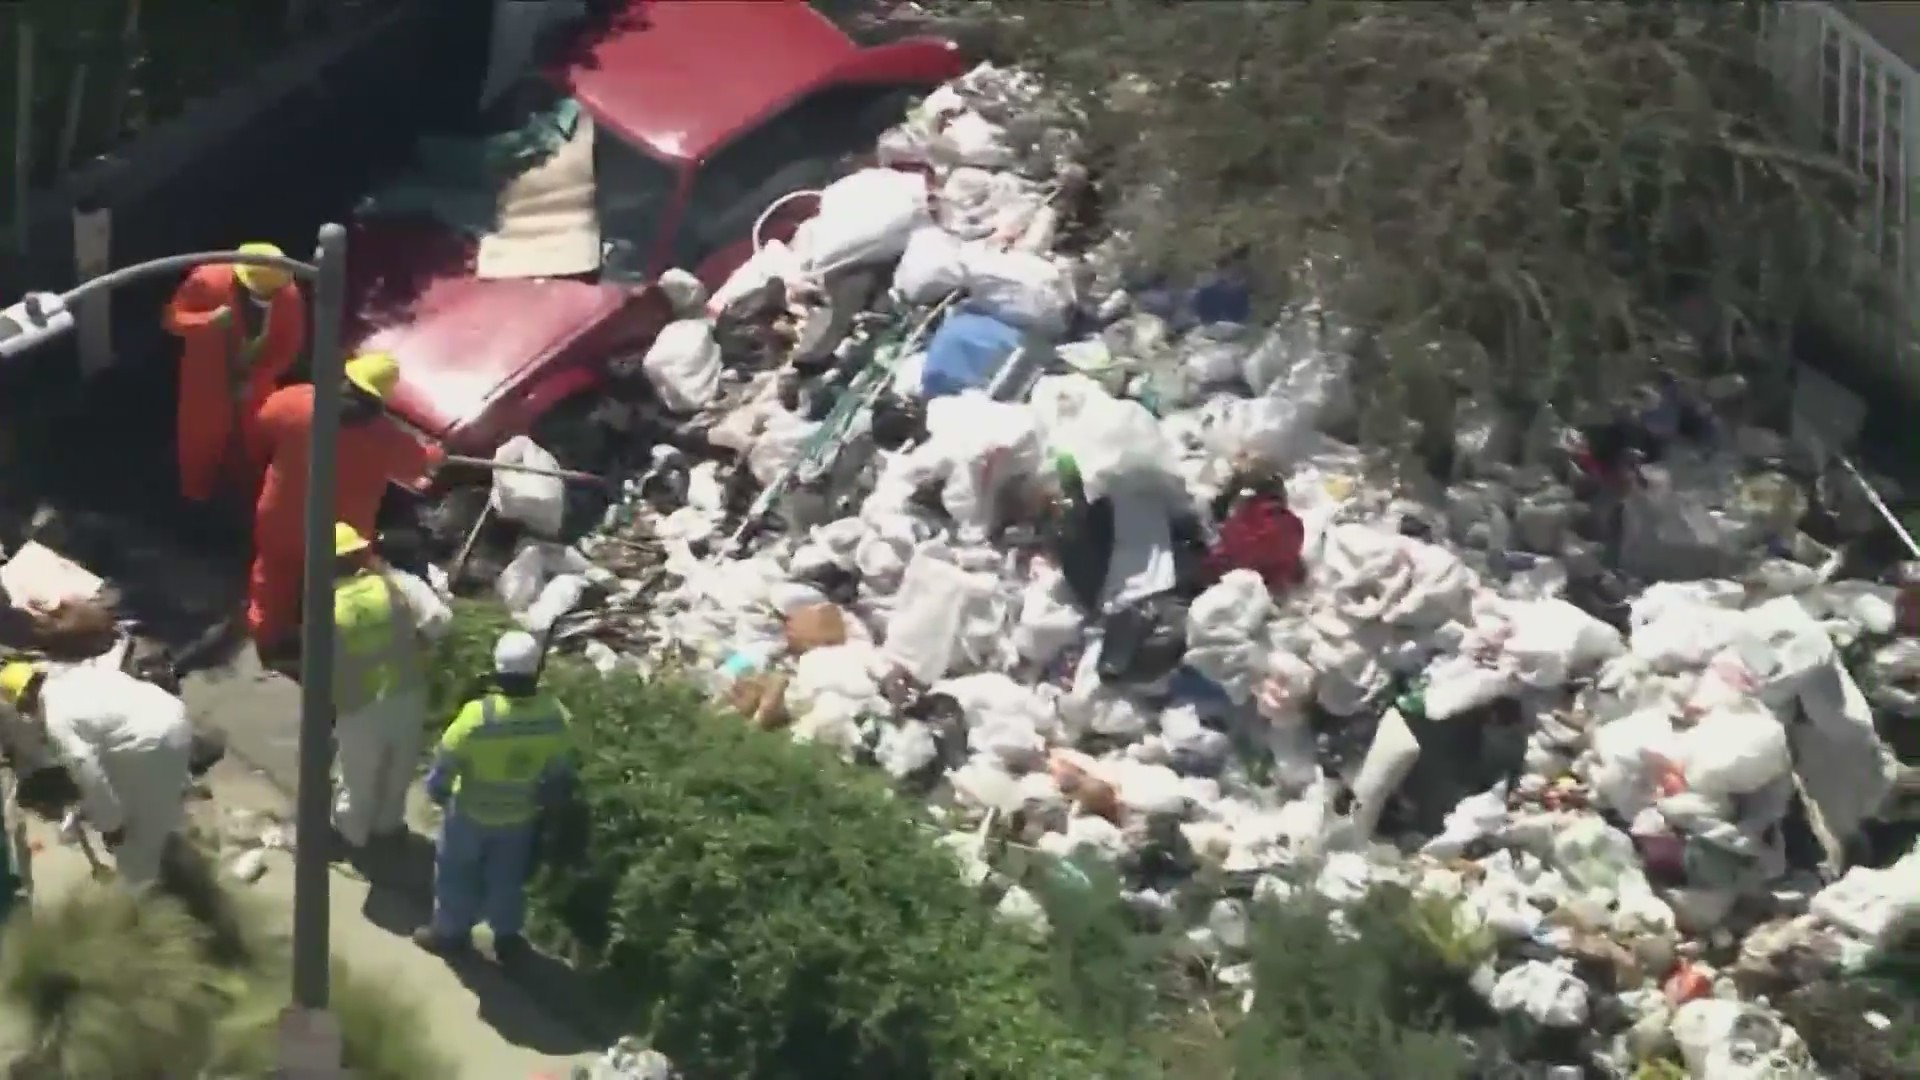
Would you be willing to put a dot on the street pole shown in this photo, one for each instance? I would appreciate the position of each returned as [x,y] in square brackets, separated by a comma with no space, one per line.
[313,801]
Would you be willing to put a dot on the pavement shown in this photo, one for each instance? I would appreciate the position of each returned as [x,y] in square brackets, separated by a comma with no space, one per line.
[492,1027]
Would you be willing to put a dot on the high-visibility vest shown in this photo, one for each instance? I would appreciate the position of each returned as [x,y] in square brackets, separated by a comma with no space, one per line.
[504,747]
[375,652]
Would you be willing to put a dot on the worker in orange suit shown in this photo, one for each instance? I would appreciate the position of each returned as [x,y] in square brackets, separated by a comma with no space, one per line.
[372,450]
[243,329]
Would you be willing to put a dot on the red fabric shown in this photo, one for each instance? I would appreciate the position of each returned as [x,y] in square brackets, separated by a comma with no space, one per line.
[1262,535]
[366,457]
[211,421]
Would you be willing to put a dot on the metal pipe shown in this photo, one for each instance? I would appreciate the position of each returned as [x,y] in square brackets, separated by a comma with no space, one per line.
[172,264]
[312,951]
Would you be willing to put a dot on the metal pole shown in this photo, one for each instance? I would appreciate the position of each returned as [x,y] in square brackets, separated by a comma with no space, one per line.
[311,950]
[23,134]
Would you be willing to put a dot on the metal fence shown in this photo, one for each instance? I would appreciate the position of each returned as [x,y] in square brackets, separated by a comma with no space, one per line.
[1863,105]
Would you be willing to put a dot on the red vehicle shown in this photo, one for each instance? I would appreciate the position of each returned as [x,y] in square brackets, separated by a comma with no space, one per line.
[705,113]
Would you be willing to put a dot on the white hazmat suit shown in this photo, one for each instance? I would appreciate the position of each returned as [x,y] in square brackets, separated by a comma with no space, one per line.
[128,744]
[379,742]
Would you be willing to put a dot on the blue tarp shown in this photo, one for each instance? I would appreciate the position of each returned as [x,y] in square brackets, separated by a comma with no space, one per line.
[965,353]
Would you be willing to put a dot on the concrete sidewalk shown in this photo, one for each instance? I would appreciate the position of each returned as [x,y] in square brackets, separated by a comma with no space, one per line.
[478,1017]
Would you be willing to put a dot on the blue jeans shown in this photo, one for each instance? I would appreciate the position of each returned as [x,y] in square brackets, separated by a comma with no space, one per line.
[480,873]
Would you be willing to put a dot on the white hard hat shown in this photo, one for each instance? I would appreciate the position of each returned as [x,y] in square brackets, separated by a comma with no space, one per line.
[516,653]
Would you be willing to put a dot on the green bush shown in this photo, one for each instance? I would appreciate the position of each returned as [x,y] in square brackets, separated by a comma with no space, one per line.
[762,910]
[96,985]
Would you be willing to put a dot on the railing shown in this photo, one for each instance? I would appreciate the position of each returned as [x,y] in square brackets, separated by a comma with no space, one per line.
[1863,105]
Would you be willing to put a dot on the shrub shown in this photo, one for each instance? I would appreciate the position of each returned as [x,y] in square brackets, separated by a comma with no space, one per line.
[1514,200]
[98,985]
[762,910]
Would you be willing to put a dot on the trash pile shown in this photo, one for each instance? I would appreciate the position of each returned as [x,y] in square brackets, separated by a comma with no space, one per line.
[628,1059]
[1076,556]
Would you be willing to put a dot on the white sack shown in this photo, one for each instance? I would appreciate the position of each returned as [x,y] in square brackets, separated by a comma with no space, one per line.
[1391,757]
[686,293]
[683,364]
[932,266]
[1845,770]
[1735,749]
[1551,995]
[1877,906]
[773,260]
[865,218]
[538,502]
[1114,443]
[929,614]
[1023,290]
[1049,622]
[979,445]
[1226,638]
[1553,642]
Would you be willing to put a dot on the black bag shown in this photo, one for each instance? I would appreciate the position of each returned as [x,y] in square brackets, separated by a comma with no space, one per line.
[1143,643]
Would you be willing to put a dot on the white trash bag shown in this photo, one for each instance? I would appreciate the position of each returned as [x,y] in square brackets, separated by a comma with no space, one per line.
[933,265]
[865,218]
[683,364]
[1023,290]
[538,502]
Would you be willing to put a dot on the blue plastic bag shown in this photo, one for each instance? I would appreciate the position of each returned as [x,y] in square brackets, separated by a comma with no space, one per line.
[965,353]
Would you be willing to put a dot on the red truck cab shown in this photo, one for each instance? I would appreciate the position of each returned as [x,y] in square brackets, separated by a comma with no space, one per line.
[705,113]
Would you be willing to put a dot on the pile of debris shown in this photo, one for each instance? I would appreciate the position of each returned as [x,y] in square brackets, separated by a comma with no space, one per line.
[1076,558]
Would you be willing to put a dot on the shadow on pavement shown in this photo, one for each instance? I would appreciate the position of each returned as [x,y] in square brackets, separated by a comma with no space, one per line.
[540,1003]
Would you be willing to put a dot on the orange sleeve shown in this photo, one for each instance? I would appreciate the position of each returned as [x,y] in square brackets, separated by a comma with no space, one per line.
[205,291]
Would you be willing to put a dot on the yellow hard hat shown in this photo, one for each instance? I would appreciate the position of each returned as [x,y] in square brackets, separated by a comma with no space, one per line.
[346,540]
[374,372]
[262,280]
[15,677]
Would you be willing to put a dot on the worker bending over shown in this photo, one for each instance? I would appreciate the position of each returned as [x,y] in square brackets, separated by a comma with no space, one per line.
[380,616]
[127,745]
[505,759]
[372,449]
[242,330]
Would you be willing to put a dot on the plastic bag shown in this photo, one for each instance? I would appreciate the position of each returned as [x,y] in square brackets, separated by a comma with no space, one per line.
[1113,443]
[932,266]
[1225,639]
[865,218]
[1734,750]
[685,292]
[683,363]
[983,445]
[1551,995]
[538,502]
[1019,288]
[774,260]
[965,353]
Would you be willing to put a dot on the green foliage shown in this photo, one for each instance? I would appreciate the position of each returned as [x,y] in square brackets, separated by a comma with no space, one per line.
[762,910]
[96,985]
[1516,201]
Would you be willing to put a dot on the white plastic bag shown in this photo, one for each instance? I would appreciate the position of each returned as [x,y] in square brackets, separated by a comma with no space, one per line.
[773,260]
[1553,996]
[1018,288]
[1226,638]
[932,266]
[929,613]
[1114,443]
[538,502]
[980,445]
[683,364]
[1877,906]
[865,218]
[1735,749]
[685,292]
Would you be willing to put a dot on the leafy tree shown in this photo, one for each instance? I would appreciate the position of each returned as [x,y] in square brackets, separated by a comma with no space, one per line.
[1533,202]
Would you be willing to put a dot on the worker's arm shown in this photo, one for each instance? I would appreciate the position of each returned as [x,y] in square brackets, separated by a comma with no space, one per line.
[450,756]
[282,409]
[203,300]
[409,458]
[431,615]
[97,799]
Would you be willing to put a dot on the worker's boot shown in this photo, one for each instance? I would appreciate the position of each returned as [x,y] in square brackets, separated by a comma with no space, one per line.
[511,951]
[441,945]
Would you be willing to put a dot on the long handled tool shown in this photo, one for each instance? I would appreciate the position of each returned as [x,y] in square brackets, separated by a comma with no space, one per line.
[574,475]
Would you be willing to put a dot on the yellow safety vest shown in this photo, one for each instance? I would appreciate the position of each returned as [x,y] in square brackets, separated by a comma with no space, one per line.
[502,747]
[375,652]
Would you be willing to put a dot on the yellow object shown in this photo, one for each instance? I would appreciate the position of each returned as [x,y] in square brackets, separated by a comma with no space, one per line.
[375,653]
[376,373]
[347,539]
[14,679]
[499,749]
[261,280]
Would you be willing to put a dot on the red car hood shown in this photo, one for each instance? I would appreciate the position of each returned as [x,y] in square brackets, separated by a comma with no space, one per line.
[466,341]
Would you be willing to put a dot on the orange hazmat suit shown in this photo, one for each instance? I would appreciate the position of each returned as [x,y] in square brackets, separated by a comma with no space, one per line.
[224,376]
[368,456]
